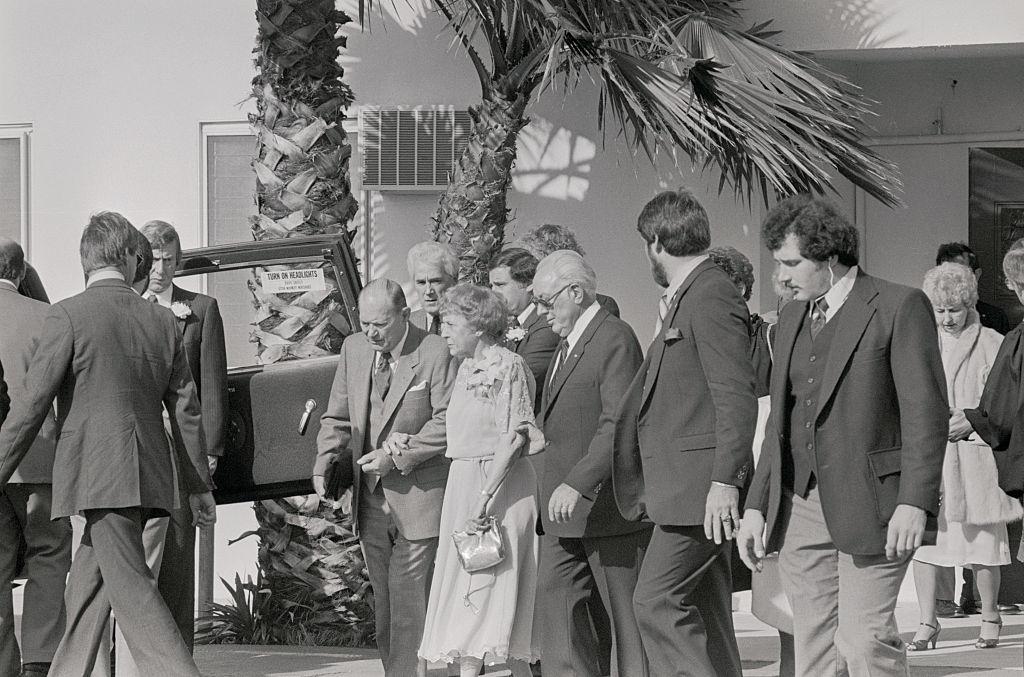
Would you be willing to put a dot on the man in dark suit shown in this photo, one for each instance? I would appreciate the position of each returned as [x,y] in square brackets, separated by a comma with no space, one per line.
[113,361]
[25,503]
[587,546]
[852,457]
[683,445]
[434,269]
[386,416]
[199,320]
[529,333]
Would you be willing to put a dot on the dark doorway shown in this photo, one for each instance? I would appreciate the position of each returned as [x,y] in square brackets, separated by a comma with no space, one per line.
[996,219]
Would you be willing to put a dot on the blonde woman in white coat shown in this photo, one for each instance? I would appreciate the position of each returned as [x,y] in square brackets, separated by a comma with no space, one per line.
[974,511]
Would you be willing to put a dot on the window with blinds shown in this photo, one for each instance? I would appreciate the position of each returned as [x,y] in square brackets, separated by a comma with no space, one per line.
[13,183]
[411,148]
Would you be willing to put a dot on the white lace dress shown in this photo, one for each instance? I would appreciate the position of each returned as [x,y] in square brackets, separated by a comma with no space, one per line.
[487,614]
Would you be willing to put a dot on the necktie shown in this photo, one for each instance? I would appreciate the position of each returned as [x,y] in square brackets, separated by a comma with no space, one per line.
[818,316]
[435,325]
[382,375]
[154,299]
[662,313]
[563,352]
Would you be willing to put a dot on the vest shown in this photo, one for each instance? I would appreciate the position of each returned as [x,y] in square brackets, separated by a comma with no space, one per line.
[806,365]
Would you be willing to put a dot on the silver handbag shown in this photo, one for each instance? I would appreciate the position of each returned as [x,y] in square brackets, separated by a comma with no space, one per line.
[481,549]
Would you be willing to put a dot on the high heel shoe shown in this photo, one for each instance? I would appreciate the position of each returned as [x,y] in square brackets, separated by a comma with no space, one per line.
[985,643]
[922,644]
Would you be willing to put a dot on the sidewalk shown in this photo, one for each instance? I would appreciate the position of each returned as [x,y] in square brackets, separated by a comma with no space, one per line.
[955,656]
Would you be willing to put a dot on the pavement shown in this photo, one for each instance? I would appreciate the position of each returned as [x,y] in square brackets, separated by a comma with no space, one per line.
[955,655]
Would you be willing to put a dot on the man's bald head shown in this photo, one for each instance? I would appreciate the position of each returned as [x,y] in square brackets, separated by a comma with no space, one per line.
[12,261]
[383,291]
[383,314]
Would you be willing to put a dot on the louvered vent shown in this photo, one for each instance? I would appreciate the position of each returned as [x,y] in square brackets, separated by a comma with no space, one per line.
[411,148]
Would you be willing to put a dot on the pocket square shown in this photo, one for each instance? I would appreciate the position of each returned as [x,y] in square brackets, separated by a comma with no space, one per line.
[672,334]
[419,386]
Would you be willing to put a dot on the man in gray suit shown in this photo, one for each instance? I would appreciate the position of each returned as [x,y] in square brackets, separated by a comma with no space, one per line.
[393,383]
[25,503]
[588,550]
[434,269]
[113,360]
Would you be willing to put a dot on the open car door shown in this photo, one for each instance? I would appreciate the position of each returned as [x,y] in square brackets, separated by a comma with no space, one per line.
[274,408]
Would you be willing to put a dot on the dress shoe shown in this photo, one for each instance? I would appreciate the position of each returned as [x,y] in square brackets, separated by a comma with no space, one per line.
[35,669]
[1008,609]
[969,606]
[931,638]
[946,608]
[989,642]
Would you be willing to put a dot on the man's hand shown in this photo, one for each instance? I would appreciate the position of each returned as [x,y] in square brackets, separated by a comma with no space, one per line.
[377,462]
[321,490]
[212,461]
[750,539]
[906,530]
[563,503]
[959,427]
[721,512]
[204,509]
[397,443]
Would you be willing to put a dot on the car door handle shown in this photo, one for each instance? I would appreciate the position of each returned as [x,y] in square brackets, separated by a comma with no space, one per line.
[304,421]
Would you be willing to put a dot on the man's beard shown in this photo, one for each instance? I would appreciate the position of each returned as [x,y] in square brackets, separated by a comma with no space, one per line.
[658,273]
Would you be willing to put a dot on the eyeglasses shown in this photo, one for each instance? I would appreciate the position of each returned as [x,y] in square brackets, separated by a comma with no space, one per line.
[547,303]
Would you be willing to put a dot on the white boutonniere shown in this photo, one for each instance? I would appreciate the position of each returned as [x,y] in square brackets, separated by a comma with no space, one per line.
[485,373]
[181,310]
[515,333]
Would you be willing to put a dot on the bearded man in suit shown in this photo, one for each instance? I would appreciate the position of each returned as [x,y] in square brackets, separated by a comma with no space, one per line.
[386,416]
[683,445]
[26,502]
[853,451]
[113,362]
[529,333]
[588,549]
[198,318]
[434,269]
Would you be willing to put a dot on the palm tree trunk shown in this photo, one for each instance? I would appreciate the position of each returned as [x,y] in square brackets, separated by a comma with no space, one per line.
[472,212]
[308,556]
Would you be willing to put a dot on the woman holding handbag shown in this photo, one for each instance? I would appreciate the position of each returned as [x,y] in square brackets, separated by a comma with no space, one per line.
[485,575]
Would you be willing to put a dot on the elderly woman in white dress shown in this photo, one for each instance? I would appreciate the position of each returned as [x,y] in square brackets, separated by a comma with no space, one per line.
[974,511]
[486,616]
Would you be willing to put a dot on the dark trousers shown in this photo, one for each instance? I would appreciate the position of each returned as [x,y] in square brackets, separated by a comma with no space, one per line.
[25,523]
[177,579]
[683,604]
[109,571]
[400,571]
[572,572]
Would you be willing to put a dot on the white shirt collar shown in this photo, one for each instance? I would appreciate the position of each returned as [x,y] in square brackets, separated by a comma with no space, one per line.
[163,298]
[523,316]
[837,295]
[677,281]
[105,275]
[396,353]
[9,284]
[582,322]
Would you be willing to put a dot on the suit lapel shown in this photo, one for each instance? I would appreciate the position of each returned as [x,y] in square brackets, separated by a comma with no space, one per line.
[784,342]
[853,320]
[405,370]
[360,375]
[657,350]
[178,295]
[533,322]
[573,358]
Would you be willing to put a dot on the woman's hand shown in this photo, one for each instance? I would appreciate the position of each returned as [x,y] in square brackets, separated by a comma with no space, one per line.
[475,524]
[959,427]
